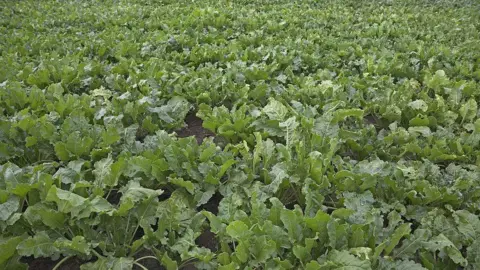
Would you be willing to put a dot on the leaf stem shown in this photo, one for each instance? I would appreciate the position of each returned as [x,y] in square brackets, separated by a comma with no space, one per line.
[61,262]
[97,254]
[108,194]
[186,262]
[146,257]
[140,265]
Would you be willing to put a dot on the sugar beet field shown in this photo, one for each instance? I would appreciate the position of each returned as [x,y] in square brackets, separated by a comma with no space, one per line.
[274,134]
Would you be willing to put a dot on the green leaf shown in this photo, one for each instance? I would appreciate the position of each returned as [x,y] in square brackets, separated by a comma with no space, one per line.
[158,167]
[424,131]
[66,201]
[442,243]
[99,264]
[230,266]
[468,224]
[413,243]
[337,234]
[397,235]
[182,183]
[473,254]
[357,237]
[169,263]
[122,264]
[477,125]
[468,111]
[215,224]
[438,80]
[319,224]
[40,213]
[225,166]
[342,114]
[399,265]
[78,145]
[293,222]
[275,110]
[109,263]
[110,136]
[392,113]
[40,245]
[14,263]
[134,193]
[78,245]
[174,111]
[303,253]
[139,164]
[418,105]
[361,204]
[237,229]
[262,249]
[8,246]
[9,207]
[107,172]
[313,265]
[345,260]
[242,251]
[61,151]
[184,243]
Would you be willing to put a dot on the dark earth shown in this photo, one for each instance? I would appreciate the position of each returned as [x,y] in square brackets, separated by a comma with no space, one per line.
[194,128]
[206,239]
[45,263]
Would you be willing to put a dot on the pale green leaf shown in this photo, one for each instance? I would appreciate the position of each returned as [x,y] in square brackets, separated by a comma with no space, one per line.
[418,105]
[275,110]
[9,207]
[237,229]
[40,245]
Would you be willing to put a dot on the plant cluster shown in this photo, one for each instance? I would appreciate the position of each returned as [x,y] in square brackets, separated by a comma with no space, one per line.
[347,134]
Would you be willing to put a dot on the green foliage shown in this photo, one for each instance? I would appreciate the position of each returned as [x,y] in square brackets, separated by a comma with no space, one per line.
[346,134]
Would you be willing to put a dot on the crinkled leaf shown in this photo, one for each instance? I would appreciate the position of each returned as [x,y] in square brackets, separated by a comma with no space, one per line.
[107,171]
[134,193]
[39,213]
[399,265]
[66,201]
[468,110]
[442,243]
[345,260]
[342,114]
[361,204]
[39,245]
[275,110]
[468,224]
[9,207]
[78,245]
[418,105]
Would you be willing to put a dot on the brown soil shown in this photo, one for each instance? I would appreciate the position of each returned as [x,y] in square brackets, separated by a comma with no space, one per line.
[373,120]
[47,264]
[194,128]
[207,240]
[212,204]
[149,263]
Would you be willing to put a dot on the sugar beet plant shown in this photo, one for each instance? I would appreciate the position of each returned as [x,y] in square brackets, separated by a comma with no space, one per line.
[345,134]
